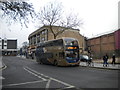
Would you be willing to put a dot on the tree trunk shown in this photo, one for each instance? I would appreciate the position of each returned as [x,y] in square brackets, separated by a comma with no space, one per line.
[54,36]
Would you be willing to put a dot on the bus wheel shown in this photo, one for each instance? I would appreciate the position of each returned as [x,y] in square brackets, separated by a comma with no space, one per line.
[55,63]
[40,62]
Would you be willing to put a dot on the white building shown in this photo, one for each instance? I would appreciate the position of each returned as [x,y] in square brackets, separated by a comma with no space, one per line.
[8,46]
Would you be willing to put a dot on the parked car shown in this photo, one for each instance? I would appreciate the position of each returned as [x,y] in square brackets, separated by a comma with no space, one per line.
[85,58]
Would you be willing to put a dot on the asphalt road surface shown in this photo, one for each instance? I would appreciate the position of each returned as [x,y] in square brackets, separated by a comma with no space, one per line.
[25,73]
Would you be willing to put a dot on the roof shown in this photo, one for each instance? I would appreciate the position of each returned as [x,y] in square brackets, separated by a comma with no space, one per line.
[103,34]
[8,38]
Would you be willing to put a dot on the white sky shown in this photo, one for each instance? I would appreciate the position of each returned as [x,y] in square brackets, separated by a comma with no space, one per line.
[99,16]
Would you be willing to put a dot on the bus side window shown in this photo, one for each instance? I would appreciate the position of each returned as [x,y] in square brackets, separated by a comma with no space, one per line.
[61,54]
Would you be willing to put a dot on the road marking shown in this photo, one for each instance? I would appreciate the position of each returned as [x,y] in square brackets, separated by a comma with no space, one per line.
[2,77]
[35,74]
[48,83]
[23,83]
[3,66]
[50,78]
[66,84]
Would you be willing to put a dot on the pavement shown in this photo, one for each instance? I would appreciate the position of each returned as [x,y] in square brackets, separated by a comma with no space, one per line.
[1,63]
[95,64]
[100,65]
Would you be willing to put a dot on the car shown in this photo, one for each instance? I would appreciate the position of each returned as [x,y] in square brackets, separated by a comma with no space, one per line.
[85,58]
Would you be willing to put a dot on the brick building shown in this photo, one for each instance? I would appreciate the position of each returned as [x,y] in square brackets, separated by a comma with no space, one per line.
[105,44]
[8,46]
[45,34]
[119,14]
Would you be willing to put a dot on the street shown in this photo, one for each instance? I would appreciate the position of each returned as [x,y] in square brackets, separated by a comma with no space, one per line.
[26,73]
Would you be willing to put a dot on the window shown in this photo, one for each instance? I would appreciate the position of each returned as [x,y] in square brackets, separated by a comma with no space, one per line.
[38,38]
[44,31]
[44,34]
[43,39]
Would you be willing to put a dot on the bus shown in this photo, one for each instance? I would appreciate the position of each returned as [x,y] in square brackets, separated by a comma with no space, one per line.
[59,52]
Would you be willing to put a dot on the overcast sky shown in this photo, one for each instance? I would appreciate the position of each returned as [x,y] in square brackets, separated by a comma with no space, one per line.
[98,16]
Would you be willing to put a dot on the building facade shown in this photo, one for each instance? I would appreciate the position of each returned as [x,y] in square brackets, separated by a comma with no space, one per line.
[119,14]
[8,46]
[45,34]
[105,44]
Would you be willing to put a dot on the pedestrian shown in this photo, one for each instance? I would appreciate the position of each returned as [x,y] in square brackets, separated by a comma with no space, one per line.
[113,59]
[105,59]
[90,62]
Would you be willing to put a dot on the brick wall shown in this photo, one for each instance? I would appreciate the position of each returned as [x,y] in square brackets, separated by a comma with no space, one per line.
[101,45]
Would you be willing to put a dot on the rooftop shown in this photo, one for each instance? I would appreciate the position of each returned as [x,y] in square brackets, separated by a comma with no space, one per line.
[48,27]
[104,33]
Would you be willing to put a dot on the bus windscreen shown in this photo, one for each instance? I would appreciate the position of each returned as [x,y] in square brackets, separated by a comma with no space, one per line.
[72,50]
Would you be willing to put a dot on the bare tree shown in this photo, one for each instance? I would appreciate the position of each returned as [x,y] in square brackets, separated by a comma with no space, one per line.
[17,10]
[71,21]
[52,15]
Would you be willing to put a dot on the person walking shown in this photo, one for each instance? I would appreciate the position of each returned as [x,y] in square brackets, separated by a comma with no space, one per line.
[113,59]
[105,59]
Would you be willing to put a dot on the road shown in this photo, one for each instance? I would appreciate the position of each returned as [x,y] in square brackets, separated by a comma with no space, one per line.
[25,73]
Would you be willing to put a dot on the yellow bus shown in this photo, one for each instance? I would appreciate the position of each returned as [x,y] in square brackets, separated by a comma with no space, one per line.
[59,52]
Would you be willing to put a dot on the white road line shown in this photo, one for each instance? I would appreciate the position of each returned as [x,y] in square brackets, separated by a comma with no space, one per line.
[66,84]
[2,77]
[23,83]
[2,67]
[48,83]
[35,74]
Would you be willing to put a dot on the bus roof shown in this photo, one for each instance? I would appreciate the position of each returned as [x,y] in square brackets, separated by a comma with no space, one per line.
[64,38]
[61,38]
